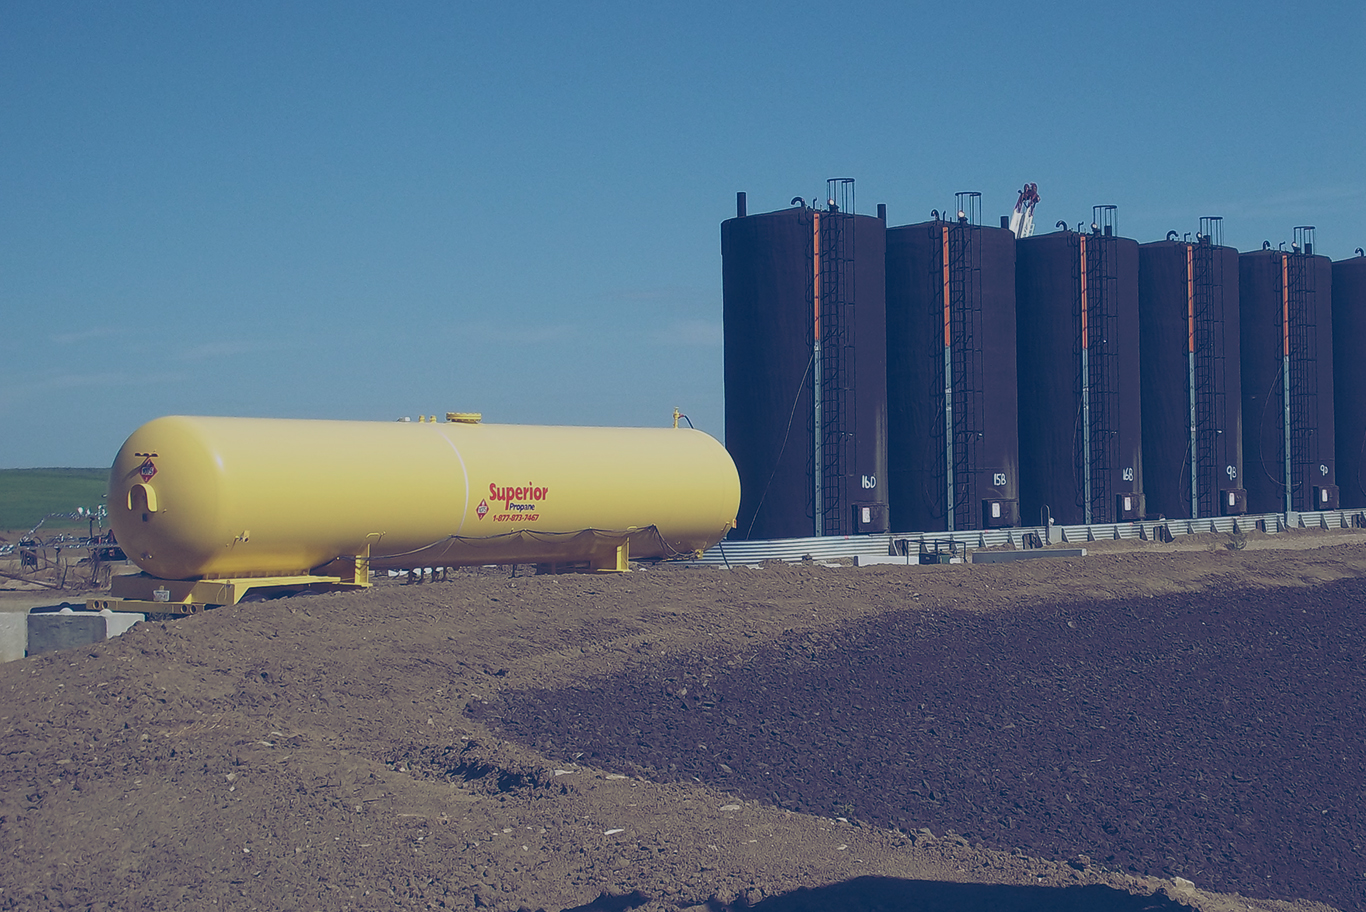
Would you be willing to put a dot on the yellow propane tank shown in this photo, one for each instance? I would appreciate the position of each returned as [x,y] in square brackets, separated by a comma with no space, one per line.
[213,498]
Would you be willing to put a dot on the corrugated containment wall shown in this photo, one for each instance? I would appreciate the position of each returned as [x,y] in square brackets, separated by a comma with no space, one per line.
[1287,359]
[1078,366]
[805,370]
[1192,397]
[953,436]
[1349,377]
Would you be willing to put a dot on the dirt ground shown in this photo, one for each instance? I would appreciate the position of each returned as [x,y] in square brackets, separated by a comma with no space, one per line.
[1150,727]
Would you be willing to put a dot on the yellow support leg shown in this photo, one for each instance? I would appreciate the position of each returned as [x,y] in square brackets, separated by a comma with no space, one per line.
[617,561]
[355,570]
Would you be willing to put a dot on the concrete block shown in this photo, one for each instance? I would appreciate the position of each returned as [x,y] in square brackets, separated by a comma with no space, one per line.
[117,622]
[13,636]
[65,629]
[1001,557]
[869,560]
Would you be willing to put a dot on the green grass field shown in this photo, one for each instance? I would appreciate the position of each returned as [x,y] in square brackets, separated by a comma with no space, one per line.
[27,495]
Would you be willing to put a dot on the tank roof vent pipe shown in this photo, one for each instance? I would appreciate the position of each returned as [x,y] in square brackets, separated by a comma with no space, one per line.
[741,209]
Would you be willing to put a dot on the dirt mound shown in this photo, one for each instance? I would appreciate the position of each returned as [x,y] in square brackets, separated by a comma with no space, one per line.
[508,742]
[1160,736]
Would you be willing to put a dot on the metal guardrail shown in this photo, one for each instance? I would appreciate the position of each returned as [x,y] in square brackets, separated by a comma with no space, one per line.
[792,550]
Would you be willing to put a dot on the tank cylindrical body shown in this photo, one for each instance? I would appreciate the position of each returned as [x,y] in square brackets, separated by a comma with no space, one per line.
[193,497]
[952,401]
[1078,360]
[1349,378]
[806,423]
[1192,394]
[1286,319]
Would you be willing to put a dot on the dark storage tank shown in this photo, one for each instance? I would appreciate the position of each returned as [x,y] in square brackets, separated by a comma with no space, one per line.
[1192,397]
[1081,456]
[806,424]
[953,447]
[1349,378]
[1287,322]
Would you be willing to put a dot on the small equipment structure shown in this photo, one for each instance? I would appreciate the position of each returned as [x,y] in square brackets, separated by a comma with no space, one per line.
[1022,218]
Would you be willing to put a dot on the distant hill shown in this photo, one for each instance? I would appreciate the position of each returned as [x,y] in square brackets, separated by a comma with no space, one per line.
[27,495]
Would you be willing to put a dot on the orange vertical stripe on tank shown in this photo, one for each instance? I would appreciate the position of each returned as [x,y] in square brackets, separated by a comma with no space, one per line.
[1190,299]
[1285,305]
[948,339]
[1085,337]
[816,274]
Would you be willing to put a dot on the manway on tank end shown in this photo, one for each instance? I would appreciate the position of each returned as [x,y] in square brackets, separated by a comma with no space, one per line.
[214,510]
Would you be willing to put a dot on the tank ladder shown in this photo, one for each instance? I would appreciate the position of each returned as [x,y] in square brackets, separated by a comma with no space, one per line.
[1300,387]
[833,418]
[964,363]
[1096,325]
[1207,367]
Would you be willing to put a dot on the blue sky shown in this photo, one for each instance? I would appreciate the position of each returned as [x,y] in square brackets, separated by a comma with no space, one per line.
[365,210]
